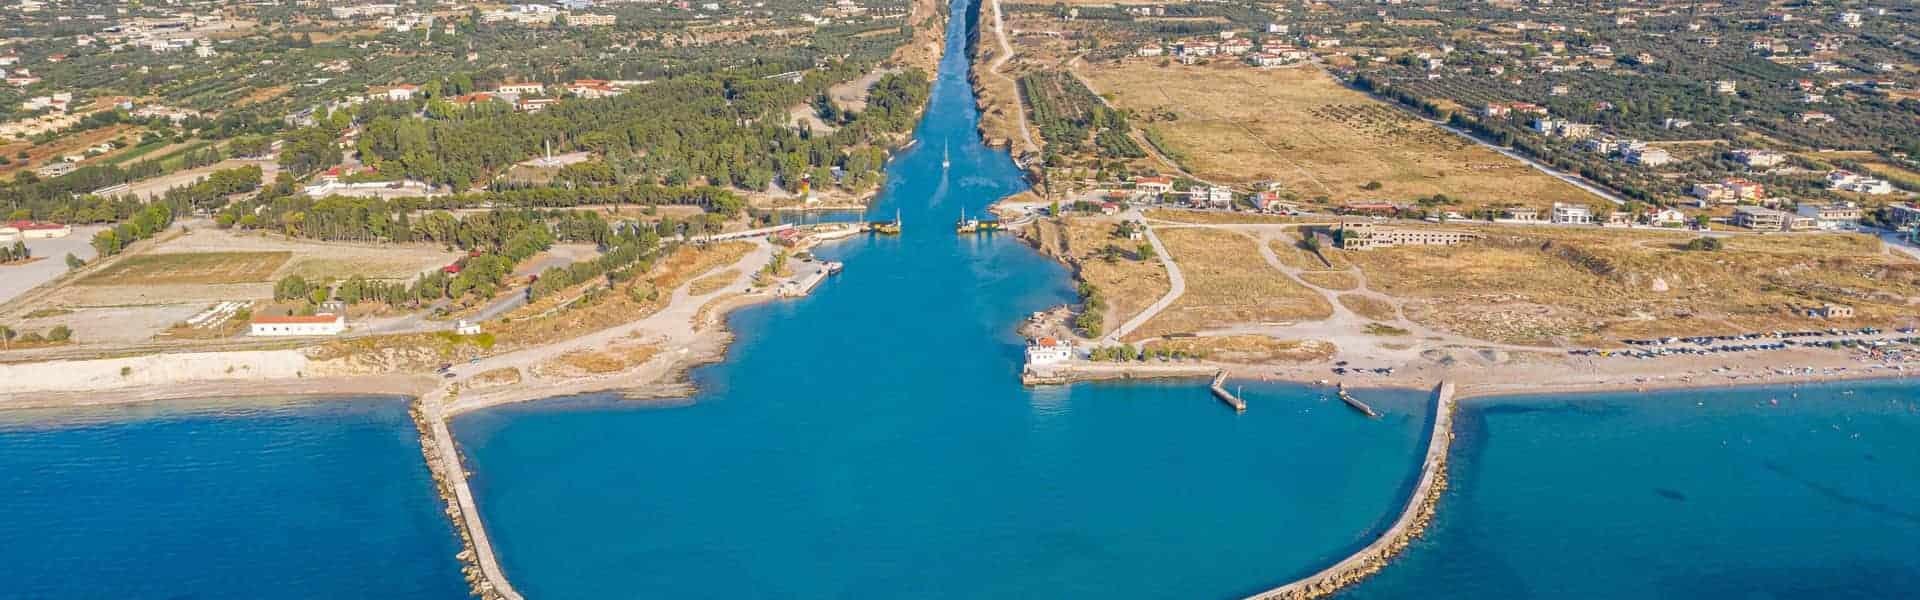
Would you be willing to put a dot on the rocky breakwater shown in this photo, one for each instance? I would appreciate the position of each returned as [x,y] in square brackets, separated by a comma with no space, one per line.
[477,563]
[1412,522]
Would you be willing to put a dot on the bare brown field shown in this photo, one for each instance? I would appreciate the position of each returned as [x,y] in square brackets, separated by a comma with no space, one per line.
[1214,217]
[1302,127]
[1246,349]
[191,268]
[1129,283]
[1551,285]
[601,362]
[1228,284]
[319,260]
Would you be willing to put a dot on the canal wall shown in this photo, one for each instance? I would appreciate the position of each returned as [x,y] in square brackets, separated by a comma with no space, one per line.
[1413,519]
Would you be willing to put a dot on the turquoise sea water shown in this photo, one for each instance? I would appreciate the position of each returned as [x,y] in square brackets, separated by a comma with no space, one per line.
[873,441]
[240,499]
[1704,494]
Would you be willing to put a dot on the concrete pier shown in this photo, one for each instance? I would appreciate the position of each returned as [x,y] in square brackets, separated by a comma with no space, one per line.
[443,458]
[1220,391]
[1413,519]
[1356,404]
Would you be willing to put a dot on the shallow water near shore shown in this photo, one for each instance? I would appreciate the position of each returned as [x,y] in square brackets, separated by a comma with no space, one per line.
[1716,493]
[244,498]
[873,441]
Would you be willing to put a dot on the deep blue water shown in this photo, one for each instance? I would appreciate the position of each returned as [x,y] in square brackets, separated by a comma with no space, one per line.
[242,499]
[1708,494]
[874,441]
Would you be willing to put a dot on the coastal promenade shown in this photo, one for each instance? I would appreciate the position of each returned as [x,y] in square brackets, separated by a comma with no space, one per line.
[1413,519]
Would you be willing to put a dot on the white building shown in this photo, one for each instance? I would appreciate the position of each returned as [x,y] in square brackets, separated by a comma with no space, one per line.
[320,324]
[1649,156]
[1759,158]
[1048,351]
[1214,196]
[1838,215]
[1572,214]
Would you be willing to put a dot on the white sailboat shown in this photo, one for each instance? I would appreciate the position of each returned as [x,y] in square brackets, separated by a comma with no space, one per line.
[946,157]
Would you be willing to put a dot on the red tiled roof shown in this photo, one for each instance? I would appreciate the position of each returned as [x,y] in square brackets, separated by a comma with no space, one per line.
[32,226]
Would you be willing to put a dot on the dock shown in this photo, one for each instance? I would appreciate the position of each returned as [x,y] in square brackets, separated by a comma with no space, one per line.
[1356,404]
[1220,391]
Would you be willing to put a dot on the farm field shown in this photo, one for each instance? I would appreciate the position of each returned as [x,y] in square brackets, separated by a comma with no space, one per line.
[1300,127]
[191,268]
[1228,284]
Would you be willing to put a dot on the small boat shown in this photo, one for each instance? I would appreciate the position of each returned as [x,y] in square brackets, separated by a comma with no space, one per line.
[946,156]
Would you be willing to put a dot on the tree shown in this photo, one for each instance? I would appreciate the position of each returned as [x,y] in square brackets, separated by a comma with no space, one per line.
[6,336]
[74,262]
[59,333]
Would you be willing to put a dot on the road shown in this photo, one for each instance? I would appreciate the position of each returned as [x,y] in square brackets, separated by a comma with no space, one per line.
[1177,285]
[1006,54]
[1899,244]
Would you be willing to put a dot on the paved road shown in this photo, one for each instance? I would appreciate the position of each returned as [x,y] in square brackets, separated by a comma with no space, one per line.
[1899,244]
[1006,54]
[16,279]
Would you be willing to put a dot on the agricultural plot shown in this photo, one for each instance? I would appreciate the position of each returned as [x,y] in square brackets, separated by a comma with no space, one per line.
[1068,116]
[191,268]
[1317,138]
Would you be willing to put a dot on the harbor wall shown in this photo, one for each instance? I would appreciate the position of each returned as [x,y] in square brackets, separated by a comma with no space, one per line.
[1412,522]
[477,560]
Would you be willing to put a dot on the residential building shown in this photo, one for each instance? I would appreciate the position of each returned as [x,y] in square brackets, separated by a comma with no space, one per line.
[1848,181]
[1760,159]
[1726,87]
[1830,216]
[1667,217]
[1572,214]
[1153,185]
[591,20]
[1150,50]
[54,169]
[520,89]
[1649,157]
[1760,218]
[320,324]
[1213,196]
[1519,215]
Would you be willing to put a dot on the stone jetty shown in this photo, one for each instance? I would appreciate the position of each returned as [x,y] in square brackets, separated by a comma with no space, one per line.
[1412,522]
[477,560]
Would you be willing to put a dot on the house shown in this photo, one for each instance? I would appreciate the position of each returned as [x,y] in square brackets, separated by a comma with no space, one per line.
[1815,117]
[398,93]
[1153,185]
[1831,216]
[1213,196]
[1848,181]
[1262,59]
[29,230]
[1564,129]
[1901,215]
[1268,201]
[1832,311]
[1649,157]
[465,327]
[593,88]
[1109,208]
[1572,214]
[1667,217]
[1726,87]
[1045,351]
[1150,50]
[320,324]
[1366,236]
[1849,19]
[534,105]
[1760,159]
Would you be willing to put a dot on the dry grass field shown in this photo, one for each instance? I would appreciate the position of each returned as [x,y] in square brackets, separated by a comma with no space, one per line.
[1332,280]
[1247,349]
[191,268]
[1288,250]
[714,283]
[1213,217]
[1300,126]
[1544,285]
[1228,284]
[1128,283]
[1369,307]
[547,321]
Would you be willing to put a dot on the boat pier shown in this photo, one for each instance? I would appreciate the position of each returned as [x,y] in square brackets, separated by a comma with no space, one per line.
[1356,404]
[481,567]
[1412,522]
[1220,391]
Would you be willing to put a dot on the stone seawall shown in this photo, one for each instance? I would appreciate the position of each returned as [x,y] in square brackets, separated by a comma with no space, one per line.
[477,560]
[1412,522]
